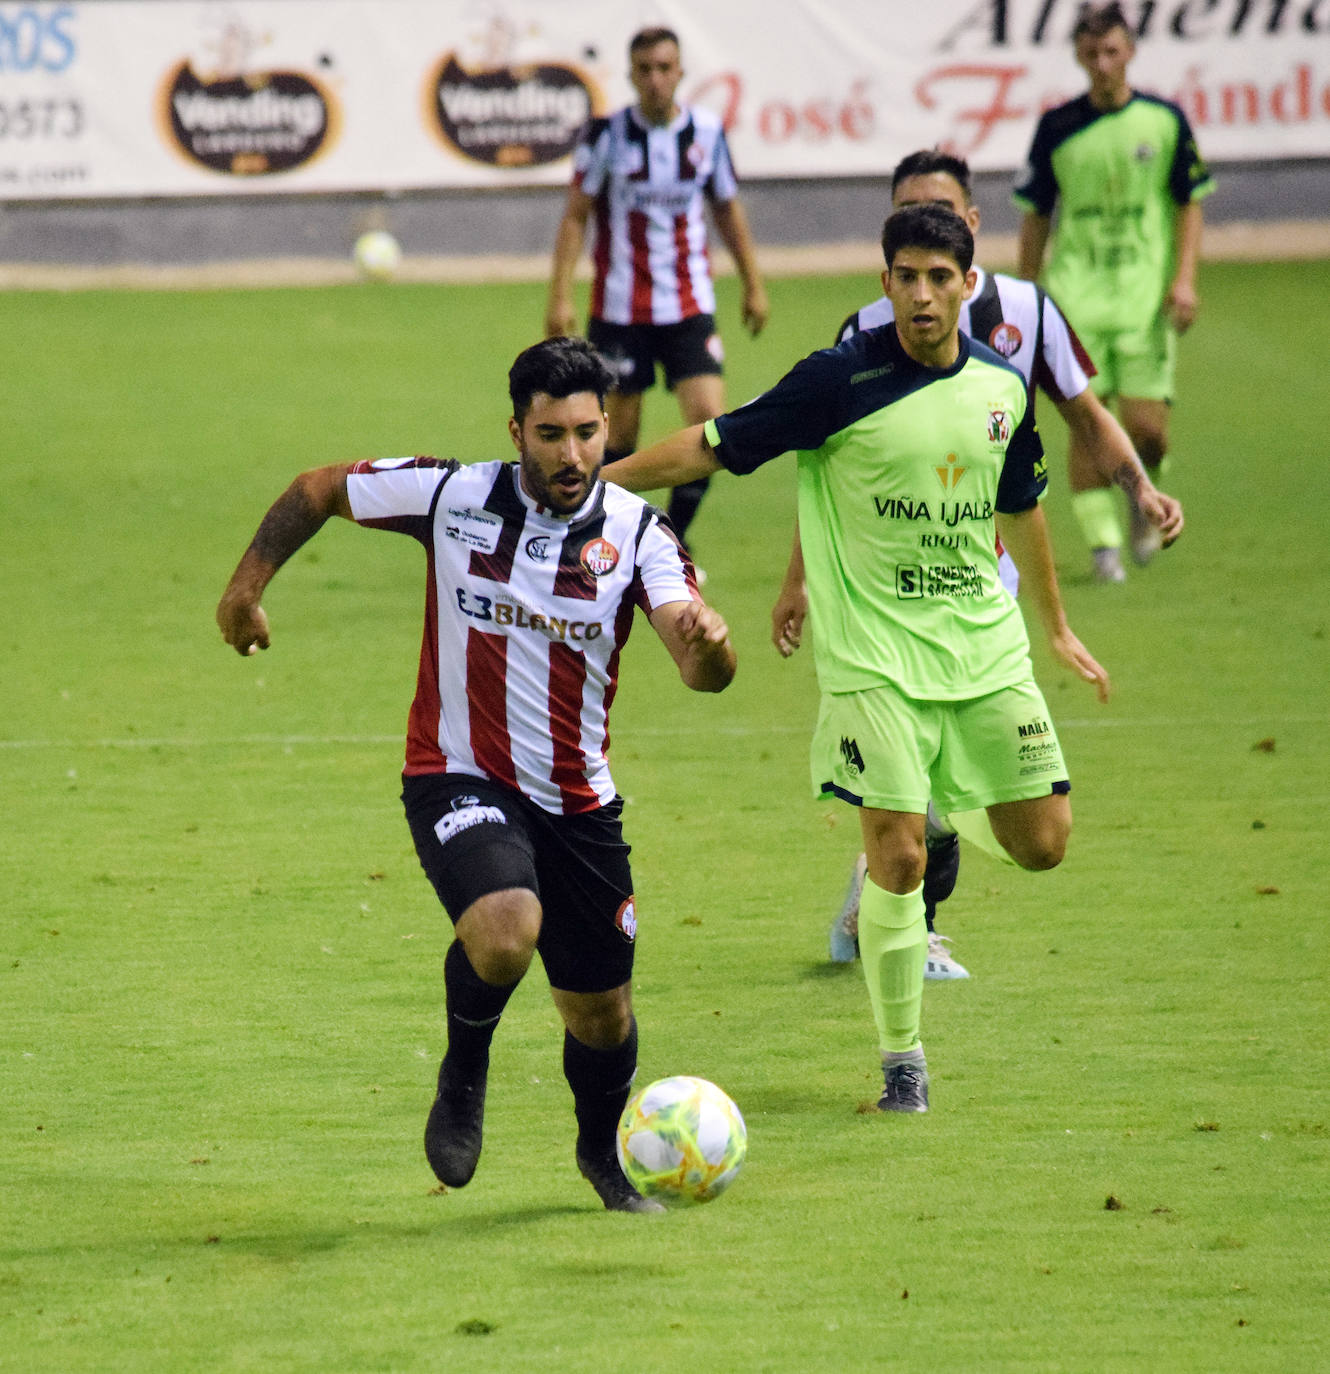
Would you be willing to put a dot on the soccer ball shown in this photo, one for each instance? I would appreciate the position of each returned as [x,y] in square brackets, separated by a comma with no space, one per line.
[378,255]
[681,1140]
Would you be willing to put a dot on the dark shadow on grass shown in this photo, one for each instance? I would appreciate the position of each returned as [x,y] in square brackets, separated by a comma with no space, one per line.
[825,971]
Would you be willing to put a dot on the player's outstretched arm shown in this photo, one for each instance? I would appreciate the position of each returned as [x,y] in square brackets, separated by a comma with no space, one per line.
[1104,439]
[699,642]
[682,457]
[791,607]
[1025,537]
[295,517]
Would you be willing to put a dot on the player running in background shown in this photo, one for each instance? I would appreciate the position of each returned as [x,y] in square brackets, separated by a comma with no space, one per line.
[645,175]
[535,568]
[1123,171]
[913,441]
[1018,320]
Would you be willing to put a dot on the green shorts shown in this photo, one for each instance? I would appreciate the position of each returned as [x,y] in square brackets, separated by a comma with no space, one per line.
[1139,363]
[885,750]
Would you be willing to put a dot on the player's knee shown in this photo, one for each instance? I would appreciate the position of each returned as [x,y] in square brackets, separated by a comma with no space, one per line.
[500,933]
[1151,445]
[601,1024]
[1042,850]
[901,870]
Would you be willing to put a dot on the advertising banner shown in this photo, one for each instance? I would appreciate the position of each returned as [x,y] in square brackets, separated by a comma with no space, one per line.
[206,97]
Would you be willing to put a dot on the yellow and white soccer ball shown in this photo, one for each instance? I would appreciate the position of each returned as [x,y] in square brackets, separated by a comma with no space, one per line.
[681,1140]
[377,255]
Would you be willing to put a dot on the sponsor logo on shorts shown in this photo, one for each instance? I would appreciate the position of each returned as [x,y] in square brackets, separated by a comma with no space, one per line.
[1033,729]
[600,557]
[1005,339]
[849,751]
[625,919]
[716,348]
[466,812]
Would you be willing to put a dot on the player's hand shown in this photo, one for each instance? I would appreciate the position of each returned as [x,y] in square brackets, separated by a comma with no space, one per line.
[243,623]
[756,309]
[1163,512]
[1081,661]
[787,618]
[1181,304]
[700,624]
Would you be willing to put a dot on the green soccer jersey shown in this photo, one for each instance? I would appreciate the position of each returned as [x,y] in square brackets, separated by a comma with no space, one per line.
[901,469]
[1118,179]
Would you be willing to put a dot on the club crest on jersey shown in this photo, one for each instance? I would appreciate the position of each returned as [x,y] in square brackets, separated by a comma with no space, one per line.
[600,557]
[538,548]
[999,426]
[625,919]
[1005,339]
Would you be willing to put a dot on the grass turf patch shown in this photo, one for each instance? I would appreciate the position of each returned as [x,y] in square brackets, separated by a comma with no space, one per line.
[221,966]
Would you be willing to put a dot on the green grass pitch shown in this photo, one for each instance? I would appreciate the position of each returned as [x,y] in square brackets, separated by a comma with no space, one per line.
[220,966]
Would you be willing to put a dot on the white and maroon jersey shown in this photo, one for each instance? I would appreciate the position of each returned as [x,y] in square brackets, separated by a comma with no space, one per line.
[649,183]
[1022,322]
[526,614]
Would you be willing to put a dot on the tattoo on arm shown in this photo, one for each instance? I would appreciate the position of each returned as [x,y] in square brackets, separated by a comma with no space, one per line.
[1128,477]
[288,524]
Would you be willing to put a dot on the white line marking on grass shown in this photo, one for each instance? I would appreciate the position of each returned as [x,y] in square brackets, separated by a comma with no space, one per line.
[650,732]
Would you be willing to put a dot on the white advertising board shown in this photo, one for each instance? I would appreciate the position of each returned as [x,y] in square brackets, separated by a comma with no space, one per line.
[206,97]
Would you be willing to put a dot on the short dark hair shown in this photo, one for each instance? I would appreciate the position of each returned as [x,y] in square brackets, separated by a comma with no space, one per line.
[557,367]
[648,38]
[928,226]
[929,162]
[1095,20]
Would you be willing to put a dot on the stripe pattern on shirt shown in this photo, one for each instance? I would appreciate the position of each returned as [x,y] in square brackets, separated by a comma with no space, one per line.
[526,615]
[649,185]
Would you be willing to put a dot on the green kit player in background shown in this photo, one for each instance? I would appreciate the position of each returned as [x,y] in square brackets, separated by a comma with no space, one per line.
[913,441]
[1124,173]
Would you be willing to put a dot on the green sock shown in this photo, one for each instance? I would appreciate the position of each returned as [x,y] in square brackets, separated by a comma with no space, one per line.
[893,945]
[974,826]
[1096,512]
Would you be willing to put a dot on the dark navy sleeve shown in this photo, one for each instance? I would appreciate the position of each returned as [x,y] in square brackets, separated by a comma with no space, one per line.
[804,409]
[1025,471]
[1037,187]
[1189,177]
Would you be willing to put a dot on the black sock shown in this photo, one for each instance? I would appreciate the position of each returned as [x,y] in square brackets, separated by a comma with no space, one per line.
[601,1081]
[684,501]
[474,1008]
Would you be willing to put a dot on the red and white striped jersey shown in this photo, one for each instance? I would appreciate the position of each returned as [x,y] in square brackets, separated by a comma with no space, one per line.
[526,614]
[1020,321]
[1016,319]
[650,258]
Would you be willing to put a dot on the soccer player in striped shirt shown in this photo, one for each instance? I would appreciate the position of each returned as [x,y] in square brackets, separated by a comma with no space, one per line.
[1021,322]
[644,176]
[1123,172]
[534,571]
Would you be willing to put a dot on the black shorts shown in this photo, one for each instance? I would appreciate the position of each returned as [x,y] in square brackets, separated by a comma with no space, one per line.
[691,348]
[475,837]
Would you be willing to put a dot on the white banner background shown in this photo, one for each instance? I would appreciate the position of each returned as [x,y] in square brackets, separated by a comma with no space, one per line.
[810,88]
